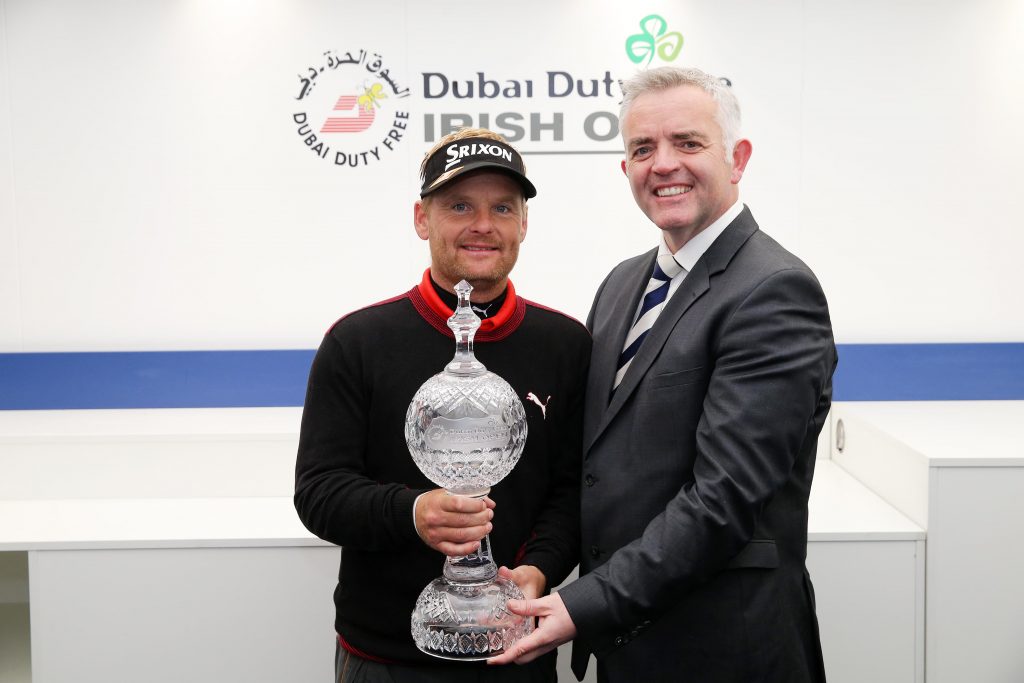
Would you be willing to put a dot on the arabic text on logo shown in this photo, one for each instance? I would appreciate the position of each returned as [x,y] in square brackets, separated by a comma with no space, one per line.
[352,92]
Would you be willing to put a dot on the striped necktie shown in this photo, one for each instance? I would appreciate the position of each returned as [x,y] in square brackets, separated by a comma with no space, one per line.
[665,268]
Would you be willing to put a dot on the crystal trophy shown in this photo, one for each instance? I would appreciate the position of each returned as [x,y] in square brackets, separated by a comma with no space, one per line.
[466,429]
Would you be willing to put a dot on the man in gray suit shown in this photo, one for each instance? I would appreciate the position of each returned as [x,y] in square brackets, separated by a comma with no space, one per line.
[710,379]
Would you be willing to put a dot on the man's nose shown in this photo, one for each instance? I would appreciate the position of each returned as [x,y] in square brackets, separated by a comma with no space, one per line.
[483,222]
[665,160]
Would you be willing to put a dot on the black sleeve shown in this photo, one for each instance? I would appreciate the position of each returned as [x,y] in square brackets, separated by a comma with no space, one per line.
[334,497]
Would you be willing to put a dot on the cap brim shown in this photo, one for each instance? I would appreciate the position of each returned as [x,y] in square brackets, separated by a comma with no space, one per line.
[529,191]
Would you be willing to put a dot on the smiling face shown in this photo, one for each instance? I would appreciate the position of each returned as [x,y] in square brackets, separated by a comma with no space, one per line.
[681,175]
[474,226]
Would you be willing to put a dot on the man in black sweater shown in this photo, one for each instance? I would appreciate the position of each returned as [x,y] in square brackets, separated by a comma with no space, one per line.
[356,483]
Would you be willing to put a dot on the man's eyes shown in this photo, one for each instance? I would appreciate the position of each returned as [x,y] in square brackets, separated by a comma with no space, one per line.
[463,207]
[686,145]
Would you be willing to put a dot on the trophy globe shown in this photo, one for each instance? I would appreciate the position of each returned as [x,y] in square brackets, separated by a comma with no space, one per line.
[466,429]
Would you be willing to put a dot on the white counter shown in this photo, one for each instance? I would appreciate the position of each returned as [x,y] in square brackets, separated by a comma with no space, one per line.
[150,531]
[112,523]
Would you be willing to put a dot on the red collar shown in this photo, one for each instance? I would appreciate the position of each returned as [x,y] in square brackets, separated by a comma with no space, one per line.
[498,326]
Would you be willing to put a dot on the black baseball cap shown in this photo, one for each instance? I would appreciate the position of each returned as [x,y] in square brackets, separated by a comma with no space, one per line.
[470,154]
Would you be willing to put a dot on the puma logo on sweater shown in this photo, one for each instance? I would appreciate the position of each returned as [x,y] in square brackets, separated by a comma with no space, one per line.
[543,406]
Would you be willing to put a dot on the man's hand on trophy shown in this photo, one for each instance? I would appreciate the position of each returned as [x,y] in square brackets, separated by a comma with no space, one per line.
[529,579]
[451,524]
[554,627]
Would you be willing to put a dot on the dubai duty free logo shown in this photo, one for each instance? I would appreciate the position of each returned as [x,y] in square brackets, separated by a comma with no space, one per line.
[350,112]
[654,37]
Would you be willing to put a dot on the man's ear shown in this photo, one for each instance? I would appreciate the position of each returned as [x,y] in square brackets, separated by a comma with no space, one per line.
[740,156]
[419,219]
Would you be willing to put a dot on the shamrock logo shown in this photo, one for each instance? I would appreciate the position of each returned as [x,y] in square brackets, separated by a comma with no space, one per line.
[654,38]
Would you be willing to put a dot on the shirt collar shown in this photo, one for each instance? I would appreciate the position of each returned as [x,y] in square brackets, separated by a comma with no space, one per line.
[690,252]
[497,326]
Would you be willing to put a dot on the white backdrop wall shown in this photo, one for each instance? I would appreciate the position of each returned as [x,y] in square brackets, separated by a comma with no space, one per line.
[156,192]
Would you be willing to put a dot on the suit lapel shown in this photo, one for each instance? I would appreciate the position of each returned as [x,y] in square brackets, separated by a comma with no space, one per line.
[626,294]
[696,283]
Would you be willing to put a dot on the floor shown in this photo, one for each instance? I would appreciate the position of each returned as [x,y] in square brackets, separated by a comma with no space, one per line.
[15,659]
[15,656]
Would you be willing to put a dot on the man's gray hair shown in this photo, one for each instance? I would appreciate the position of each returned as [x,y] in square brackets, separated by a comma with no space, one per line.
[664,77]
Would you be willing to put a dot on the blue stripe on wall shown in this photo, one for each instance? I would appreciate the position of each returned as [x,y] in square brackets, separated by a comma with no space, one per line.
[220,379]
[153,379]
[929,372]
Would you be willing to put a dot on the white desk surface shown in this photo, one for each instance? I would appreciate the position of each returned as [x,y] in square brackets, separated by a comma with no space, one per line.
[151,523]
[840,509]
[843,509]
[949,433]
[192,423]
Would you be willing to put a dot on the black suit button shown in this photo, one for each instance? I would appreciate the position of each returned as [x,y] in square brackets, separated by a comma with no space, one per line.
[595,551]
[619,640]
[589,480]
[634,633]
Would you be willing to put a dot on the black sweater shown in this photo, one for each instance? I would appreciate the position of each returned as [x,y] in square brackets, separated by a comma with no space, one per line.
[355,481]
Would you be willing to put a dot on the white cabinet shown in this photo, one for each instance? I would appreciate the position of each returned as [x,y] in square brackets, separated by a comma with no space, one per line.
[162,546]
[957,469]
[167,615]
[867,563]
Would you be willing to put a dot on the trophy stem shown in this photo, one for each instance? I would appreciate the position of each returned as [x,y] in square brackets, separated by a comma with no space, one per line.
[477,567]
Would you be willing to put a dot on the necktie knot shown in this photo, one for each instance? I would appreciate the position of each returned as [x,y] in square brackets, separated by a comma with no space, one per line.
[667,266]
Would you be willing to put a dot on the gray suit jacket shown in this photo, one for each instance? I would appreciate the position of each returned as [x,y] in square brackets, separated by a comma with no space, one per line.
[698,468]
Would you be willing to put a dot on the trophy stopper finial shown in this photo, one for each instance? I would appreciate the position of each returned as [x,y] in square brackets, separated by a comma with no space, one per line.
[462,290]
[464,323]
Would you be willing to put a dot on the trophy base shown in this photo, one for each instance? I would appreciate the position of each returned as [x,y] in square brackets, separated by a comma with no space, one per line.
[467,621]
